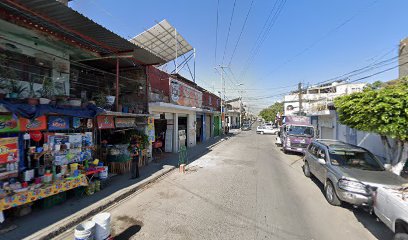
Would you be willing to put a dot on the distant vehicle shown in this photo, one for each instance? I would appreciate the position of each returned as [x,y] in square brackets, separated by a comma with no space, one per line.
[391,208]
[349,173]
[296,133]
[266,130]
[246,127]
[268,125]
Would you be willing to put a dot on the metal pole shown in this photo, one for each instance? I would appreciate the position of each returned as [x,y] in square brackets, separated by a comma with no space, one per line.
[147,88]
[223,89]
[175,39]
[117,84]
[300,98]
[222,103]
[240,110]
[194,62]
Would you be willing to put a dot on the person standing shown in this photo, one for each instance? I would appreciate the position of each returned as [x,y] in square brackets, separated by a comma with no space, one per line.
[134,154]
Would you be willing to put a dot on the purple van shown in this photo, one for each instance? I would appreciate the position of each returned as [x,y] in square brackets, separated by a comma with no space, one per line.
[296,133]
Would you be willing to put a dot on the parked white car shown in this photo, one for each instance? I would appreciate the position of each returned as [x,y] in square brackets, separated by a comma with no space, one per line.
[391,207]
[264,129]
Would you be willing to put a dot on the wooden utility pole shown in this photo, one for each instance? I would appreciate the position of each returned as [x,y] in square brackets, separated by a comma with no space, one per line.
[300,99]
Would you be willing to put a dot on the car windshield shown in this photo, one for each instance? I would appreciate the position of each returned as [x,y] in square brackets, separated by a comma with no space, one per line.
[300,130]
[355,159]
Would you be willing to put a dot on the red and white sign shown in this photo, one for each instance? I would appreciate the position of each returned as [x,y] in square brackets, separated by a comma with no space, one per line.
[105,122]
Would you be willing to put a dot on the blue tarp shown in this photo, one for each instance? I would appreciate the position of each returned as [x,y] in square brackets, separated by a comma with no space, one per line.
[33,111]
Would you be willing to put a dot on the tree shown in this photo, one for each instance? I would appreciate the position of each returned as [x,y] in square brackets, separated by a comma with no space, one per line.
[269,113]
[382,109]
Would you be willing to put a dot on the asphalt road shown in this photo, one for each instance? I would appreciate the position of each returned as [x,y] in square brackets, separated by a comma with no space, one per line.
[245,188]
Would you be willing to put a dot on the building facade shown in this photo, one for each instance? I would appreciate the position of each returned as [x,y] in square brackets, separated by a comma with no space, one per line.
[184,113]
[318,98]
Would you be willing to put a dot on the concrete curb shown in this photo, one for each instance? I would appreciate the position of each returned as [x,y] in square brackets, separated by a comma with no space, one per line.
[78,217]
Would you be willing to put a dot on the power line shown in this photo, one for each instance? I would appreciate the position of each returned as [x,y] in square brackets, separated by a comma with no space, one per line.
[263,35]
[216,33]
[324,36]
[240,34]
[229,29]
[364,69]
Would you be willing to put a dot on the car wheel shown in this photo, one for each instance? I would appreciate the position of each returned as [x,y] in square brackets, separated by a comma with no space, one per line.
[262,133]
[306,170]
[330,194]
[400,236]
[285,151]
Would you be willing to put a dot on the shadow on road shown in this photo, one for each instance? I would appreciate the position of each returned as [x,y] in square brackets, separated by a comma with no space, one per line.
[128,233]
[278,232]
[370,222]
[377,228]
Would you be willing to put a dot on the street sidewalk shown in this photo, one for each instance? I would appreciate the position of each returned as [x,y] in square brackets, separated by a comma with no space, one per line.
[46,223]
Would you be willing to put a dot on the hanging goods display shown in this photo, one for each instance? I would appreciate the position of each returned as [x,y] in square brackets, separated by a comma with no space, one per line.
[36,136]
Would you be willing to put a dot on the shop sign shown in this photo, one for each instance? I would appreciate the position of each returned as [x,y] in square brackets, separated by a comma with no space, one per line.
[39,123]
[105,122]
[185,95]
[150,129]
[125,122]
[58,123]
[9,123]
[8,149]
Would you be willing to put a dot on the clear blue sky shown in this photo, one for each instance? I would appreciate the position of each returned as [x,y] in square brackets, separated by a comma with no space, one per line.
[311,41]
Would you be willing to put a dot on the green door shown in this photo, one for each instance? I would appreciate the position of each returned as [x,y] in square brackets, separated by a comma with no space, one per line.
[216,125]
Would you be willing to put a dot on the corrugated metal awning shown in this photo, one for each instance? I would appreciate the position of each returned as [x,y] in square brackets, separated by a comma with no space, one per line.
[58,20]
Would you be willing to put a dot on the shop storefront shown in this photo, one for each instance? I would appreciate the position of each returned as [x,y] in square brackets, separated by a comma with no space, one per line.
[169,120]
[65,152]
[44,157]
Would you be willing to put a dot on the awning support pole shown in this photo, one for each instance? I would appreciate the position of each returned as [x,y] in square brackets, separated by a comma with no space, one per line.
[117,85]
[194,51]
[175,40]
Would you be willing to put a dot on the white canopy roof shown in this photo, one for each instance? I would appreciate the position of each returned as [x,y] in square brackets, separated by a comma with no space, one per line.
[161,41]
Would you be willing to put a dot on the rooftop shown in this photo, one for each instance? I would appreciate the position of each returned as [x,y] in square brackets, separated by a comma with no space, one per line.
[65,24]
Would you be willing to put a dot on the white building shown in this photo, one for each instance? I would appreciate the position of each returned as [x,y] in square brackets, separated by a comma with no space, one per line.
[318,98]
[318,104]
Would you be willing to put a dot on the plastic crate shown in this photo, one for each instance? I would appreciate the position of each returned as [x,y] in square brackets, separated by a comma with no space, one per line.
[53,200]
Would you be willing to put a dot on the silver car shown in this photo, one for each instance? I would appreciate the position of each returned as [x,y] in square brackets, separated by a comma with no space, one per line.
[349,173]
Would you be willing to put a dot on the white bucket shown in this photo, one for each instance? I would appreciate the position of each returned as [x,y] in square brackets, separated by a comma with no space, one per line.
[104,174]
[85,231]
[102,227]
[44,101]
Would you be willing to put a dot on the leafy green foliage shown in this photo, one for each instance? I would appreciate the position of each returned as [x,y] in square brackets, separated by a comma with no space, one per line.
[382,109]
[269,113]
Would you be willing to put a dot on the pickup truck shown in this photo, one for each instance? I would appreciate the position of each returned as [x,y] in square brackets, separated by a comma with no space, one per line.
[391,207]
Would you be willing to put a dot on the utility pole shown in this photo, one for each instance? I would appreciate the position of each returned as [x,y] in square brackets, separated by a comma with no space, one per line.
[223,117]
[300,99]
[240,109]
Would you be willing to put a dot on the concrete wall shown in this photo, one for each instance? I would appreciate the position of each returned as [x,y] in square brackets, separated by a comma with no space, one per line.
[370,141]
[191,129]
